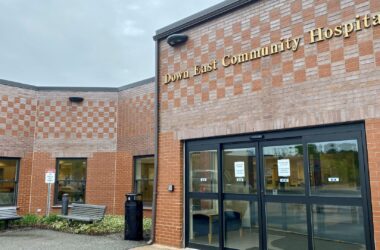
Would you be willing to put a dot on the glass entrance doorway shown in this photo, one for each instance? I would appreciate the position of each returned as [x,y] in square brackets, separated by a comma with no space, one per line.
[303,189]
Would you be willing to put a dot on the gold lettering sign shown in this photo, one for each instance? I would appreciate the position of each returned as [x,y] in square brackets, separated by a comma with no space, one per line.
[288,44]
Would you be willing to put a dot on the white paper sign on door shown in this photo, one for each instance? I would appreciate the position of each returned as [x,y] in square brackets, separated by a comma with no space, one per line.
[239,169]
[283,167]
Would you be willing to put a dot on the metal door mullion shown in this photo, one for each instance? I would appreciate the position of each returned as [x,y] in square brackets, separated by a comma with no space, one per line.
[307,195]
[239,197]
[261,193]
[366,191]
[220,196]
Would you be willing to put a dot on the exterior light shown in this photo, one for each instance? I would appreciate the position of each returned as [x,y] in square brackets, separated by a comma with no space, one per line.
[76,99]
[176,39]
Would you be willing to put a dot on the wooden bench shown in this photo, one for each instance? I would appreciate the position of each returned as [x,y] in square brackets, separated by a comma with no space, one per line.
[7,214]
[85,212]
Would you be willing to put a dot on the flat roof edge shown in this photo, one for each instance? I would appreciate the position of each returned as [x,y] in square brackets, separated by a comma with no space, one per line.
[201,17]
[77,89]
[137,84]
[18,85]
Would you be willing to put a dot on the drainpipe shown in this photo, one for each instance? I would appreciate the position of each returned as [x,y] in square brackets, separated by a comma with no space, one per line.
[156,130]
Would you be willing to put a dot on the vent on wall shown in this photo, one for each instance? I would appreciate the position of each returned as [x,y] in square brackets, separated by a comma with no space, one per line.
[76,99]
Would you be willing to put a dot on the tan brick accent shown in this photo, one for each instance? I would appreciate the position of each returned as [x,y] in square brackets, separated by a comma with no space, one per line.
[321,83]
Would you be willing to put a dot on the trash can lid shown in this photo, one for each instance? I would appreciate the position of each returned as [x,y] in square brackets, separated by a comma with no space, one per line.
[133,196]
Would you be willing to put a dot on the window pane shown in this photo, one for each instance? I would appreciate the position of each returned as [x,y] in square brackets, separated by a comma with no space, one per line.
[284,169]
[72,169]
[7,193]
[145,168]
[334,168]
[8,176]
[338,227]
[239,171]
[75,190]
[144,177]
[145,187]
[72,179]
[203,171]
[204,222]
[241,224]
[8,169]
[286,226]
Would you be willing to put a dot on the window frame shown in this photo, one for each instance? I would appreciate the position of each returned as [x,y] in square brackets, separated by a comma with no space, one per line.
[16,181]
[135,159]
[56,183]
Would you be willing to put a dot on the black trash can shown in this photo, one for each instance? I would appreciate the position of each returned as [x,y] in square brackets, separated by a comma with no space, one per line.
[133,228]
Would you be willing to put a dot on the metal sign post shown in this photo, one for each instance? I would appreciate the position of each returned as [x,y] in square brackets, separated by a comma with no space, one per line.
[49,179]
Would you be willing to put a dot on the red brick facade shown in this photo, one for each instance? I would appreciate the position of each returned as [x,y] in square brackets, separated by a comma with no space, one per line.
[327,82]
[39,126]
[373,142]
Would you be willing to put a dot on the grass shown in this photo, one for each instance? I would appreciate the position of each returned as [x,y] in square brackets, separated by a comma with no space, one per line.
[109,225]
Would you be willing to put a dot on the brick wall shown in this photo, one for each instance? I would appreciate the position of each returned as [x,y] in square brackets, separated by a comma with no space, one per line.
[317,84]
[321,83]
[373,148]
[41,126]
[17,121]
[169,219]
[135,135]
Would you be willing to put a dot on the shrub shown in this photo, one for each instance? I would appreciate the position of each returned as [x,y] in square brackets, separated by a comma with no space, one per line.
[29,220]
[110,224]
[147,224]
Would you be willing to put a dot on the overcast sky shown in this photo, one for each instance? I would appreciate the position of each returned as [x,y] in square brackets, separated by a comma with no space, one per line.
[104,43]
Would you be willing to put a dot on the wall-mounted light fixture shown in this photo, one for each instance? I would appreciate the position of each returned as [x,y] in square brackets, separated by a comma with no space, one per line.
[76,99]
[176,39]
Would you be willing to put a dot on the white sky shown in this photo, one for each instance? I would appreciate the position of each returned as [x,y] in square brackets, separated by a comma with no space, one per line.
[105,43]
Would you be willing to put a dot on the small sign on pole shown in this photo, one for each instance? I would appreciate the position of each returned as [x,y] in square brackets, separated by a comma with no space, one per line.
[49,179]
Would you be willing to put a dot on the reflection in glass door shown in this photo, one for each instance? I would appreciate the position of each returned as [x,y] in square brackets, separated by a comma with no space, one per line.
[203,205]
[240,203]
[284,180]
[307,192]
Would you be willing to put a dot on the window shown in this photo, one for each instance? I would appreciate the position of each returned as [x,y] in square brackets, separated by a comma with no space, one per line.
[71,179]
[144,174]
[8,181]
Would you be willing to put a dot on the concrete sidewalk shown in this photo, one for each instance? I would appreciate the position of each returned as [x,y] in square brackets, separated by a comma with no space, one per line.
[155,247]
[36,239]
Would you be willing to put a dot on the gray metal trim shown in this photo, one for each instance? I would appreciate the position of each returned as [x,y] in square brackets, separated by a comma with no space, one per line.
[18,85]
[137,84]
[76,89]
[156,141]
[201,17]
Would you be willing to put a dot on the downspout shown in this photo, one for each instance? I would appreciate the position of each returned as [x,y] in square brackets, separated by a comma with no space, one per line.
[156,140]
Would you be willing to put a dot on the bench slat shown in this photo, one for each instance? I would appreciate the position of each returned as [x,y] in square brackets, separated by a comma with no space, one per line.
[9,213]
[85,212]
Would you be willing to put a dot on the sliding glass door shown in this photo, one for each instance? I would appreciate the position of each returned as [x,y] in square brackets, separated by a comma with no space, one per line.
[305,189]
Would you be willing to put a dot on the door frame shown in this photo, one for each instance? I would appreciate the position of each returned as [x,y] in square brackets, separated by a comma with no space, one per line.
[306,135]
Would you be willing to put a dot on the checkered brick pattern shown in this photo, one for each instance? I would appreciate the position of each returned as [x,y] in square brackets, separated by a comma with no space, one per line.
[136,120]
[260,25]
[17,116]
[333,81]
[62,119]
[139,108]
